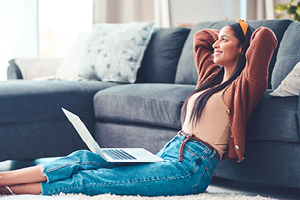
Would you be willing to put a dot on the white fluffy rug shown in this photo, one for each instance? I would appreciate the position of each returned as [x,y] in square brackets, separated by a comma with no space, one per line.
[204,196]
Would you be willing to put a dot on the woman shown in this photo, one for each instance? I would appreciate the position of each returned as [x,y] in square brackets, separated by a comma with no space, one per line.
[230,84]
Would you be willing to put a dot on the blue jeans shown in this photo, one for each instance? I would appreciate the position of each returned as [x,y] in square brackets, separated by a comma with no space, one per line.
[87,173]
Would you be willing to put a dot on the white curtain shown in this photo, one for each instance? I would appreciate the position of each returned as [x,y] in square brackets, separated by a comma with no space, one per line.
[19,31]
[162,13]
[122,11]
[264,9]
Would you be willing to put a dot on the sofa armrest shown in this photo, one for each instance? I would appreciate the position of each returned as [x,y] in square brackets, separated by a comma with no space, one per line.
[13,71]
[30,68]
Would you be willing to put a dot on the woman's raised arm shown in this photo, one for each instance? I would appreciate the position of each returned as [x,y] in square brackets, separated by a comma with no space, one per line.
[203,54]
[262,44]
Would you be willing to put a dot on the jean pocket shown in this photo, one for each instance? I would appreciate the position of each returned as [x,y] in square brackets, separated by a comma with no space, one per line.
[185,169]
[203,181]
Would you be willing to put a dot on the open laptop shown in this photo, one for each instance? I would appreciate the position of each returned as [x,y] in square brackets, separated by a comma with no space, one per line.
[115,155]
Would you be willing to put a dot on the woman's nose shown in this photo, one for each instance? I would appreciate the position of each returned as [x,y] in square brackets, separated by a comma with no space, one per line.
[215,45]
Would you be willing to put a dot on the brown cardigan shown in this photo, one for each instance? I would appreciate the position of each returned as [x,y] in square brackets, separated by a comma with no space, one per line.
[247,89]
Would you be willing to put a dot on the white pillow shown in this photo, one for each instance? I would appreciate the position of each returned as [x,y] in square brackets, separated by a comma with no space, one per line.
[68,70]
[114,52]
[38,68]
[290,86]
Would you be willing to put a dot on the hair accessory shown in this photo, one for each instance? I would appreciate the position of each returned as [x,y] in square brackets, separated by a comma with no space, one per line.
[243,25]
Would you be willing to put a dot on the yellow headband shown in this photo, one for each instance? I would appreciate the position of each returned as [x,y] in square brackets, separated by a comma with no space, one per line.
[243,25]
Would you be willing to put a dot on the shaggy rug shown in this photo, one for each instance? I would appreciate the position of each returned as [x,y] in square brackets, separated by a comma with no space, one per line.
[204,196]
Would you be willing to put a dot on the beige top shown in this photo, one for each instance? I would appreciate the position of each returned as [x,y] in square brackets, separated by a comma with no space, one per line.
[213,126]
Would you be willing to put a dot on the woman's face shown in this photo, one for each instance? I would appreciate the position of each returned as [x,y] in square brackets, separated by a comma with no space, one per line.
[227,48]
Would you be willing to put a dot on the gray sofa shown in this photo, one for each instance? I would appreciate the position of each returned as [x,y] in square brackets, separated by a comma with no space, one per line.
[146,113]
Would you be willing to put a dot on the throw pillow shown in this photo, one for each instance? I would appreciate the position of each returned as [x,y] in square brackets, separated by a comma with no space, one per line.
[114,52]
[165,46]
[68,70]
[290,86]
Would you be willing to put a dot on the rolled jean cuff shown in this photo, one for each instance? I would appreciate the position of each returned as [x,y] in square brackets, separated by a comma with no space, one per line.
[65,167]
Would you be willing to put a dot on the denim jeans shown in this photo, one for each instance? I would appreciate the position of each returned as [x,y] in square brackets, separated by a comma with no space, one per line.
[87,173]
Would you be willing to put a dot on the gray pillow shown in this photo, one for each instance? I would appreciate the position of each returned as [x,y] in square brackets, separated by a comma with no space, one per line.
[161,57]
[113,52]
[288,54]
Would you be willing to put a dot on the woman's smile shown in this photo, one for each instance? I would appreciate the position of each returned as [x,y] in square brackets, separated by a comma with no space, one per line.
[216,53]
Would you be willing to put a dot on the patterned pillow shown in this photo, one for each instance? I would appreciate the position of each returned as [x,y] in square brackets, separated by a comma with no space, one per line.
[114,52]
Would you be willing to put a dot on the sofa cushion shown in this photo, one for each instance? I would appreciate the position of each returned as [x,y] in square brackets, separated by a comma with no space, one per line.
[290,86]
[274,119]
[186,71]
[288,54]
[113,52]
[150,137]
[37,101]
[161,56]
[156,104]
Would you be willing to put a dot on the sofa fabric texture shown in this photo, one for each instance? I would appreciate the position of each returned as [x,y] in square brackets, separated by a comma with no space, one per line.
[146,113]
[165,46]
[32,124]
[160,106]
[288,54]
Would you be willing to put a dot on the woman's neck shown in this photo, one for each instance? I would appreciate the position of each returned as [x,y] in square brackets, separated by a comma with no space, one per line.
[227,73]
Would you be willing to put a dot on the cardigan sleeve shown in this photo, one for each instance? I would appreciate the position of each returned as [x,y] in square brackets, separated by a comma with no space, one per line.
[203,54]
[262,44]
[248,89]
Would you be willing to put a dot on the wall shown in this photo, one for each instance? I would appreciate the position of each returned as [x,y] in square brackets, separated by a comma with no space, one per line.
[123,11]
[194,11]
[19,31]
[181,11]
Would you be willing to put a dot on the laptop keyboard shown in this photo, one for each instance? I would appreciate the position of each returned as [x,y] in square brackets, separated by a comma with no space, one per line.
[118,154]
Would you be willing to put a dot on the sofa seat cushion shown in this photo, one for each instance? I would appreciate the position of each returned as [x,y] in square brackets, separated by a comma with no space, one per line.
[37,101]
[154,104]
[275,119]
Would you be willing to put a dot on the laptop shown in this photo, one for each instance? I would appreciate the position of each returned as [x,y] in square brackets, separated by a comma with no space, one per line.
[114,155]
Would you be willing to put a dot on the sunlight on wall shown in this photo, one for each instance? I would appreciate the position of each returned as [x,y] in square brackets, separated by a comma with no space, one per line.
[60,22]
[243,9]
[19,34]
[44,28]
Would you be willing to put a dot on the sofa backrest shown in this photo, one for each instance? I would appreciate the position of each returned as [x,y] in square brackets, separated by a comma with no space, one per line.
[186,70]
[161,57]
[288,54]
